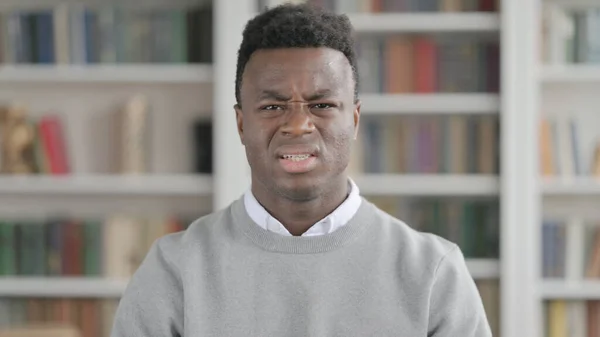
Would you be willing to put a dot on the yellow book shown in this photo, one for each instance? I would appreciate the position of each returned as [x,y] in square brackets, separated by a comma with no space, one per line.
[596,163]
[546,148]
[557,319]
[450,5]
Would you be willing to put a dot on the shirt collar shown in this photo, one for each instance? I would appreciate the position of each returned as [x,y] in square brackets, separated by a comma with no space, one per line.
[336,219]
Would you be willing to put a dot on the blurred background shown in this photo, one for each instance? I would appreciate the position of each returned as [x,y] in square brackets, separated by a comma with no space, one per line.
[479,124]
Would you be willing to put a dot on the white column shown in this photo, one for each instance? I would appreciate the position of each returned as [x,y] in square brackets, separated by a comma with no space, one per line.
[231,173]
[520,202]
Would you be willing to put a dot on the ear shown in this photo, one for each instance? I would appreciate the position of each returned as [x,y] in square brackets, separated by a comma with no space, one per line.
[239,116]
[356,118]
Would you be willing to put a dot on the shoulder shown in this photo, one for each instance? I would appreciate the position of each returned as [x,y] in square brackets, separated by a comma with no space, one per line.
[202,233]
[417,251]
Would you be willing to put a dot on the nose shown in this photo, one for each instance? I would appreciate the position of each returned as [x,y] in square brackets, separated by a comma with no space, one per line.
[298,121]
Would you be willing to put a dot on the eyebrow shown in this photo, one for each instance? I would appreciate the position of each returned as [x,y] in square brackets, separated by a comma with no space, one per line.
[320,94]
[271,94]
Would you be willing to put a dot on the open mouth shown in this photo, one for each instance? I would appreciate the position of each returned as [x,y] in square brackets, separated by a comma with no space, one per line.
[298,163]
[296,157]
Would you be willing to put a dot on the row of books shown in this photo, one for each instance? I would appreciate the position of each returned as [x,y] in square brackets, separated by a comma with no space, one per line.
[572,318]
[76,34]
[41,145]
[474,225]
[457,144]
[31,146]
[570,249]
[424,64]
[569,146]
[94,317]
[571,36]
[89,317]
[374,6]
[112,247]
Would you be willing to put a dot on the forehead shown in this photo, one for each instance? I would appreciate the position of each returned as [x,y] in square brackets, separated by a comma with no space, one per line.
[302,68]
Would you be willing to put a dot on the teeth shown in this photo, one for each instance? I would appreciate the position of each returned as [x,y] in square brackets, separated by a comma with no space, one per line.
[296,157]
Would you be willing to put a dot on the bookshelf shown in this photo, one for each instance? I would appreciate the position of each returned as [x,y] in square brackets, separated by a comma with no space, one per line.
[85,287]
[568,191]
[109,185]
[571,291]
[427,185]
[64,287]
[459,103]
[571,187]
[425,22]
[573,74]
[91,74]
[84,94]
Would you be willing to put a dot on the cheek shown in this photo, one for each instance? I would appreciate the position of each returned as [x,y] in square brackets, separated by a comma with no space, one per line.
[340,144]
[257,143]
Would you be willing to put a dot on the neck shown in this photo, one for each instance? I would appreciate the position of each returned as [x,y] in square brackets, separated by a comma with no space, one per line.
[298,216]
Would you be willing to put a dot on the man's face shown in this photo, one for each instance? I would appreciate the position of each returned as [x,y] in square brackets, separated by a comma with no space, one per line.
[297,119]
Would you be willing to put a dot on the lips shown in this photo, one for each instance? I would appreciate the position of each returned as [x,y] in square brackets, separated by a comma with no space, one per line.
[297,158]
[296,151]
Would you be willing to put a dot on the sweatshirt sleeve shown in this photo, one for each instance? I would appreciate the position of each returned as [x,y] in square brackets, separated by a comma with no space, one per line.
[152,304]
[456,308]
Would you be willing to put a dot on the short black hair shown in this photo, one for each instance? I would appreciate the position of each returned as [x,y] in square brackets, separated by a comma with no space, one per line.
[296,26]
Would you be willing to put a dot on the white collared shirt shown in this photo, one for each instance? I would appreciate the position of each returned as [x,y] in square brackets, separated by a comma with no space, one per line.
[336,219]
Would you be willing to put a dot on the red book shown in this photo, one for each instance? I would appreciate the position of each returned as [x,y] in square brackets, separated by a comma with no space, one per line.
[89,318]
[53,143]
[493,67]
[377,6]
[425,65]
[487,5]
[73,248]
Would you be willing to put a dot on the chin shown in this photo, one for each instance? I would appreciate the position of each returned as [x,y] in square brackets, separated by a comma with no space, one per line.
[298,188]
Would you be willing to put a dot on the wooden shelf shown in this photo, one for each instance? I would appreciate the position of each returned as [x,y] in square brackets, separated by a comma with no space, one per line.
[424,22]
[484,268]
[575,4]
[396,104]
[104,73]
[107,288]
[571,73]
[61,287]
[178,185]
[573,290]
[577,186]
[428,185]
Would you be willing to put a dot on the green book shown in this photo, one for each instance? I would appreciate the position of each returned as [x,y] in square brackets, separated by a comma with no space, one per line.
[8,256]
[468,237]
[180,38]
[32,249]
[92,249]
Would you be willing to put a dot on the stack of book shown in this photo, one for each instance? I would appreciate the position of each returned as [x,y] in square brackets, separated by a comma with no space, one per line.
[78,34]
[112,248]
[374,6]
[457,144]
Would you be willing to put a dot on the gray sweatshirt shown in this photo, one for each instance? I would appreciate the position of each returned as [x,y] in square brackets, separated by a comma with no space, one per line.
[375,276]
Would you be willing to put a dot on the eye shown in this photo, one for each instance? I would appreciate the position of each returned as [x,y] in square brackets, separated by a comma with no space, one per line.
[322,106]
[272,107]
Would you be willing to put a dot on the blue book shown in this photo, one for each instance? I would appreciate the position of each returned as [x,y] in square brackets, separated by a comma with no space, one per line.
[90,22]
[44,25]
[26,37]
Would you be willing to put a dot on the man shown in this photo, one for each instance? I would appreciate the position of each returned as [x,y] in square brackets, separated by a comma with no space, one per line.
[301,253]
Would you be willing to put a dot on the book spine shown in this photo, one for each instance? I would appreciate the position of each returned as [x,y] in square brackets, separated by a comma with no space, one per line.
[44,24]
[61,34]
[53,139]
[106,36]
[425,66]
